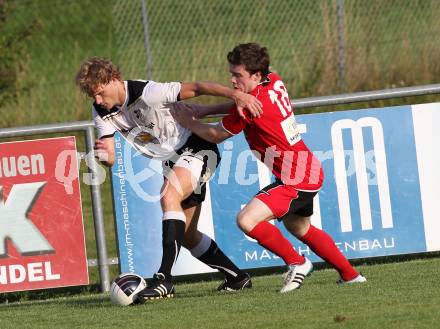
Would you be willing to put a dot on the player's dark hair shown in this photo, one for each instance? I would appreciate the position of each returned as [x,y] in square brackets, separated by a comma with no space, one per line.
[254,58]
[94,72]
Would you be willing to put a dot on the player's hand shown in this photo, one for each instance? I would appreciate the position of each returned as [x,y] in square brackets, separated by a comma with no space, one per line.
[184,114]
[250,102]
[101,151]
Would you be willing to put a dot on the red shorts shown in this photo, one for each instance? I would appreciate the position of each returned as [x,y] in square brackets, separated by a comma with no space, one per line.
[284,200]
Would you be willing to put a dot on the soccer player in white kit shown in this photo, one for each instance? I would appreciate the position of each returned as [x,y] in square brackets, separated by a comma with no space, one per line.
[140,111]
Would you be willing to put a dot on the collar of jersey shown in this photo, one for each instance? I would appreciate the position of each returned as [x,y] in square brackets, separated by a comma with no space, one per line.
[263,83]
[126,97]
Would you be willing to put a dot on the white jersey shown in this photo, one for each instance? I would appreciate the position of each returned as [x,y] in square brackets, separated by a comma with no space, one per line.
[144,119]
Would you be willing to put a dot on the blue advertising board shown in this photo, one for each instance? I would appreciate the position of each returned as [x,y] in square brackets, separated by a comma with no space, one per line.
[381,170]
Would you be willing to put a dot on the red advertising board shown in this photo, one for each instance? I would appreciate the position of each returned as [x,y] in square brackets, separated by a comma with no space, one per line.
[41,228]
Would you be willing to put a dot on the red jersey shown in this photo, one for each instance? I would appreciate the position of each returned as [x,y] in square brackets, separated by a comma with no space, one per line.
[275,139]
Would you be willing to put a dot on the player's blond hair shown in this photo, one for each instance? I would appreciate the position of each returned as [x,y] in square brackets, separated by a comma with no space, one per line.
[94,72]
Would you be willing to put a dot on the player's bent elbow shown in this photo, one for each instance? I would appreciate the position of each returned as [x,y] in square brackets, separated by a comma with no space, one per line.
[219,135]
[212,137]
[216,140]
[220,138]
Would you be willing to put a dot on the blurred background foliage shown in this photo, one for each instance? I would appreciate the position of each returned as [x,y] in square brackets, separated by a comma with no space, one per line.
[319,47]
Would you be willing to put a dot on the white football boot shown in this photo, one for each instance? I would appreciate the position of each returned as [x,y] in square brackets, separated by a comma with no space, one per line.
[359,279]
[295,275]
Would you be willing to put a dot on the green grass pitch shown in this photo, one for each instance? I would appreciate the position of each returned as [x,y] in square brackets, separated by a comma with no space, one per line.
[397,295]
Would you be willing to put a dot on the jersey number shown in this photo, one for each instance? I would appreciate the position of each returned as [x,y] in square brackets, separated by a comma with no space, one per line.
[280,97]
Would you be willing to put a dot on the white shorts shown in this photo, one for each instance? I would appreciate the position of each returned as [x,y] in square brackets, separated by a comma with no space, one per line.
[201,158]
[193,164]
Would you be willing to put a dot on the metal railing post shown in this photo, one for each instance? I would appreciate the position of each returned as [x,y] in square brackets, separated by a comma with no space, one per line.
[98,216]
[149,56]
[341,42]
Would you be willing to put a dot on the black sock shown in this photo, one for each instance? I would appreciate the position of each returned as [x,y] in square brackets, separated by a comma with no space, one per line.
[216,259]
[173,231]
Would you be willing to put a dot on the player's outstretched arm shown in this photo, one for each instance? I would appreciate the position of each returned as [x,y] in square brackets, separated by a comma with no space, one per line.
[212,133]
[201,111]
[241,99]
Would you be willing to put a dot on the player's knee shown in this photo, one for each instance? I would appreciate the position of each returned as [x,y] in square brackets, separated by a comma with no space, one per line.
[244,222]
[171,199]
[298,226]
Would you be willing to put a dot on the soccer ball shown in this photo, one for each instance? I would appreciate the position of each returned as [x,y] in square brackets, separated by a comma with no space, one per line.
[125,288]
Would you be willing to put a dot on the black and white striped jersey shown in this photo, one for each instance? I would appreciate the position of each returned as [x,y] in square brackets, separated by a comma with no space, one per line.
[144,119]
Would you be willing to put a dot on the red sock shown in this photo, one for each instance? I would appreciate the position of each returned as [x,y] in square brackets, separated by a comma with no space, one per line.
[270,237]
[323,245]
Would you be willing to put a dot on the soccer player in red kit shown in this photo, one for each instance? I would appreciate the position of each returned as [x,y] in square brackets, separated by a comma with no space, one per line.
[276,141]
